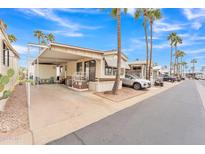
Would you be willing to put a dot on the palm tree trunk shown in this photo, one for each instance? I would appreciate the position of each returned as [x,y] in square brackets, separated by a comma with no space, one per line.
[177,66]
[170,67]
[39,50]
[117,78]
[146,40]
[193,68]
[150,60]
[181,67]
[175,60]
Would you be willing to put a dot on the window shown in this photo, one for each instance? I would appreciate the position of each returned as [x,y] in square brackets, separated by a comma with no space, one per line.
[61,69]
[7,57]
[112,70]
[128,77]
[122,71]
[108,71]
[79,67]
[4,53]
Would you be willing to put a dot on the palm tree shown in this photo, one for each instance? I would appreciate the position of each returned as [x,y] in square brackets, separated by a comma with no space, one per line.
[12,38]
[171,39]
[177,55]
[43,42]
[177,40]
[183,64]
[186,68]
[144,13]
[203,68]
[116,13]
[181,55]
[39,35]
[50,38]
[5,26]
[153,14]
[43,37]
[193,61]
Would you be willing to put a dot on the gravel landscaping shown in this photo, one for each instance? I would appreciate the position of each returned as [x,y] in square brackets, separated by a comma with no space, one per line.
[123,94]
[15,117]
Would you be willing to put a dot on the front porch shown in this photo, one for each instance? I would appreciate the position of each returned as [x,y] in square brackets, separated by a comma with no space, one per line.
[63,66]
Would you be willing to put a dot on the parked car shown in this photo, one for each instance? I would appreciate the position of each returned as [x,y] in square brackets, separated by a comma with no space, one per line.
[178,78]
[159,82]
[183,78]
[136,82]
[169,78]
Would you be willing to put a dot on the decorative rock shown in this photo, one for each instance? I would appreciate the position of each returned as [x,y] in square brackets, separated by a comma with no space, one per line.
[15,114]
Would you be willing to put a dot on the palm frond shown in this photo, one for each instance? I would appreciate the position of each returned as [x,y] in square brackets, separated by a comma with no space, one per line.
[113,13]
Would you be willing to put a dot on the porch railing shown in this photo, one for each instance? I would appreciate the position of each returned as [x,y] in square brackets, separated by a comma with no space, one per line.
[80,80]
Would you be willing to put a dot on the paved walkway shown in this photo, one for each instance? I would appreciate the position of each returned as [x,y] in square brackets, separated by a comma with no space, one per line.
[176,116]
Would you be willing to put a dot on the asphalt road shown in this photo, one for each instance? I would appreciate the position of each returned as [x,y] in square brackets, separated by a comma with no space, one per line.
[175,116]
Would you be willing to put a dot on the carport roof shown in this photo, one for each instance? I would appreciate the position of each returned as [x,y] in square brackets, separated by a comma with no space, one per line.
[65,52]
[76,47]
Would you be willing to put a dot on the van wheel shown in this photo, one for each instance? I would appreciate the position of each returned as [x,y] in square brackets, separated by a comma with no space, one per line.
[137,86]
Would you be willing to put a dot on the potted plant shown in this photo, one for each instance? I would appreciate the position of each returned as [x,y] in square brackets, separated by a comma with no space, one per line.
[4,80]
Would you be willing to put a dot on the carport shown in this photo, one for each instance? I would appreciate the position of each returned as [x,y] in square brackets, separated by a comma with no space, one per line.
[77,67]
[60,62]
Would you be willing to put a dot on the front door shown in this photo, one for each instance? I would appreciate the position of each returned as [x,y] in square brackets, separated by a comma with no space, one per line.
[90,69]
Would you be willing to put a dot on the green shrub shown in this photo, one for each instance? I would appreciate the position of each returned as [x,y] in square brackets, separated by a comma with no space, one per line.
[4,80]
[6,94]
[1,87]
[10,72]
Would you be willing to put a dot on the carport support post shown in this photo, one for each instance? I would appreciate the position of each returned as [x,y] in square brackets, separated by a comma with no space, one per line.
[37,67]
[28,89]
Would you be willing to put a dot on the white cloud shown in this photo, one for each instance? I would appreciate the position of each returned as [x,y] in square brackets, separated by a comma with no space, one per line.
[23,50]
[200,57]
[20,48]
[85,11]
[191,14]
[161,46]
[195,51]
[135,44]
[196,25]
[66,33]
[191,39]
[162,26]
[72,28]
[196,16]
[131,11]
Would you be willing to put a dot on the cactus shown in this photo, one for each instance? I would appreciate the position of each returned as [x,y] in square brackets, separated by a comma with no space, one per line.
[6,94]
[4,80]
[10,72]
[1,87]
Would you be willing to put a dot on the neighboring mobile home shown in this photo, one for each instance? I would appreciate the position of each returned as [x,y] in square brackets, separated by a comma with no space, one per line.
[138,68]
[77,67]
[159,71]
[8,56]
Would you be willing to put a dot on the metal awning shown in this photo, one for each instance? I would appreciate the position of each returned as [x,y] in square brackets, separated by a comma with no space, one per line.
[112,62]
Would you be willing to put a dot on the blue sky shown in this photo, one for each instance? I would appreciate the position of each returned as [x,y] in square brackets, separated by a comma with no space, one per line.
[93,28]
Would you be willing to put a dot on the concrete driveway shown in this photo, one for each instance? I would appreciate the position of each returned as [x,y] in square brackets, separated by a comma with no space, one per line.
[55,104]
[57,111]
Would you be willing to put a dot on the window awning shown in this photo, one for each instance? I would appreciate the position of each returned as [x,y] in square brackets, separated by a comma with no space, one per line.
[112,62]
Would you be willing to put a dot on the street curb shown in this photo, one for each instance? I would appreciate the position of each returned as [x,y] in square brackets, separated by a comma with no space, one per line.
[22,139]
[201,89]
